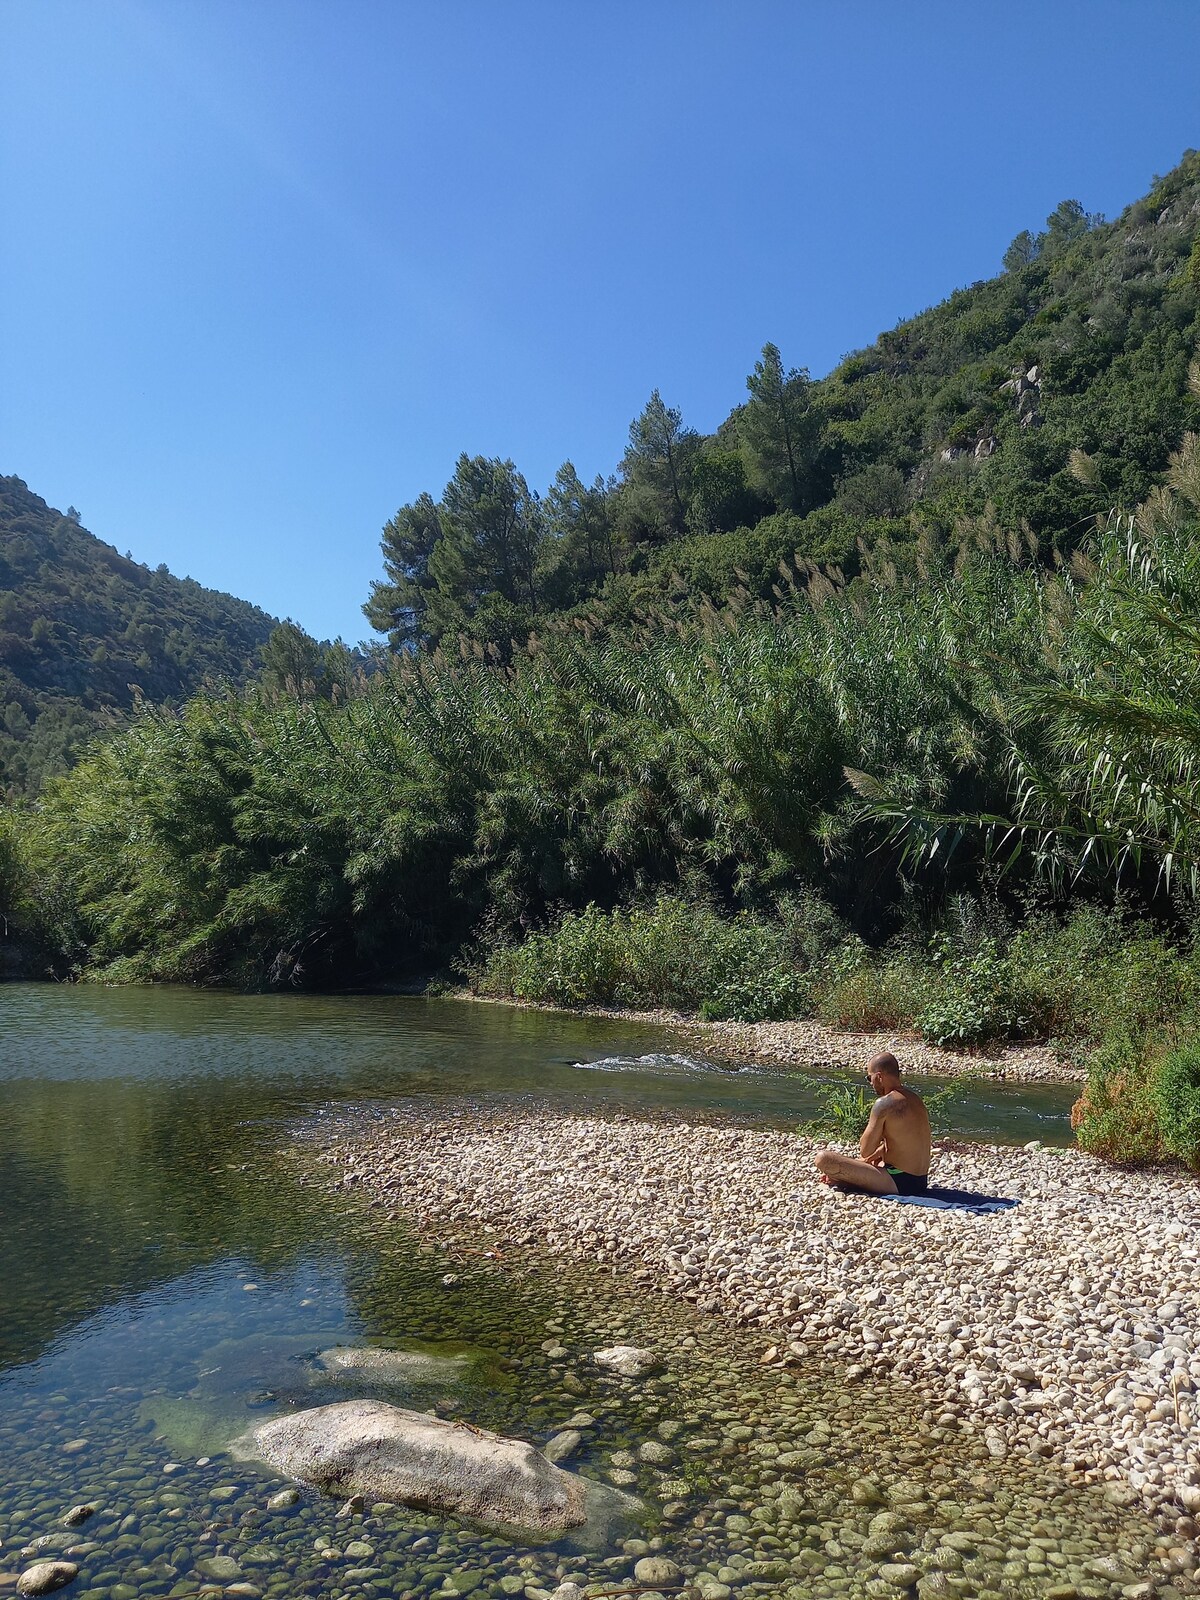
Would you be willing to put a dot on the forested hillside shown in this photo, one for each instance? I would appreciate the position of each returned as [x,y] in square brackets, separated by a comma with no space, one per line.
[1042,397]
[81,625]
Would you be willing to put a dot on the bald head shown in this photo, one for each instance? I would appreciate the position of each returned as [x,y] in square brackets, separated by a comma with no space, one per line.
[883,1065]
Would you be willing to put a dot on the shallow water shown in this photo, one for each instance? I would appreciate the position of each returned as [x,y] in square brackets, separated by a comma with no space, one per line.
[167,1281]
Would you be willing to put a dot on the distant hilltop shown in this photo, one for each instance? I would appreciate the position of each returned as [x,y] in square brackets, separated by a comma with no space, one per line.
[82,628]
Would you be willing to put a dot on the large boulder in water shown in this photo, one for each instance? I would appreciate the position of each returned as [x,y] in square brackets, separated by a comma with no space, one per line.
[386,1453]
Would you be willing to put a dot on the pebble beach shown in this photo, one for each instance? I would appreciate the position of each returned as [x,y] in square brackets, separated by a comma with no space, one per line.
[1064,1328]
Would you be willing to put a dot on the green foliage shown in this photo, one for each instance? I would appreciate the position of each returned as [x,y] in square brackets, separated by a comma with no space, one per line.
[658,465]
[293,663]
[866,994]
[1116,1116]
[1176,1097]
[667,953]
[970,411]
[843,1109]
[469,562]
[781,430]
[974,1001]
[81,624]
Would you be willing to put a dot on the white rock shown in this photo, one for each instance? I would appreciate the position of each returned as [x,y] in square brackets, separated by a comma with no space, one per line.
[382,1452]
[628,1360]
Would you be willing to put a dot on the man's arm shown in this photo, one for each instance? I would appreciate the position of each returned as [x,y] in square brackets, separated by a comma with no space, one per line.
[873,1144]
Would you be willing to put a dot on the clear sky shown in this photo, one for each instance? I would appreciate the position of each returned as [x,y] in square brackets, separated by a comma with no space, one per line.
[269,267]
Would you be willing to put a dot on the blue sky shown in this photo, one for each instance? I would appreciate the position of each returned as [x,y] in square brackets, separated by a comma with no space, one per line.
[269,268]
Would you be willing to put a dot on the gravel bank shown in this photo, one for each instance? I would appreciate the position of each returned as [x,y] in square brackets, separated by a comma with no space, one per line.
[807,1043]
[1066,1327]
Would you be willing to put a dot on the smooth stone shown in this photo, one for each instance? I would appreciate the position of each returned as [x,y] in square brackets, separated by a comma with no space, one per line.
[866,1492]
[400,1367]
[370,1448]
[284,1500]
[562,1445]
[627,1360]
[78,1515]
[653,1570]
[46,1576]
[359,1550]
[656,1453]
[260,1555]
[465,1582]
[221,1569]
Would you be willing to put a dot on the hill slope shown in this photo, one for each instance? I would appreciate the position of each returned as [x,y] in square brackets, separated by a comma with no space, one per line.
[82,625]
[1035,400]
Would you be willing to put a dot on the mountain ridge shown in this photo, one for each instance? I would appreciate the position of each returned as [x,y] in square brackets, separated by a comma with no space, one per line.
[85,631]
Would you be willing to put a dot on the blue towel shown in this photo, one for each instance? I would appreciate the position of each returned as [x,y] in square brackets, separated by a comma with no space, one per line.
[978,1205]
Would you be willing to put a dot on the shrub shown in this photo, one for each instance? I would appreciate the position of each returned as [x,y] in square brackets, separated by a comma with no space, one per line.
[864,994]
[1116,1115]
[972,996]
[1176,1100]
[842,1111]
[770,995]
[668,953]
[1098,974]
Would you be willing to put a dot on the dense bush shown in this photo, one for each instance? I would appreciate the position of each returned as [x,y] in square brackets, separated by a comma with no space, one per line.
[667,953]
[1116,1116]
[1176,1098]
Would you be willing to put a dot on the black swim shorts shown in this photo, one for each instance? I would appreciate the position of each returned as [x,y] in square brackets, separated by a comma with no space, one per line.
[908,1182]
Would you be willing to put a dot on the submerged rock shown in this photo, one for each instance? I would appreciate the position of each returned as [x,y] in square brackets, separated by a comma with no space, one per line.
[627,1360]
[402,1368]
[46,1576]
[654,1570]
[384,1452]
[562,1445]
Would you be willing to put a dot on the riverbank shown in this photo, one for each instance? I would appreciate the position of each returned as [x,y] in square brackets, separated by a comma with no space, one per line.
[807,1043]
[1064,1328]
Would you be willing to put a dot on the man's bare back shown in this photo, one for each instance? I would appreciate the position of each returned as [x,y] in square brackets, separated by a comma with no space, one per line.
[895,1148]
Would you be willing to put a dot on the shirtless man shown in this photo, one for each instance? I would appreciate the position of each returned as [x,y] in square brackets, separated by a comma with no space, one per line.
[895,1147]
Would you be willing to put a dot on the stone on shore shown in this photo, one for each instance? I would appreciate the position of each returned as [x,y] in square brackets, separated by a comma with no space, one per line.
[383,1452]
